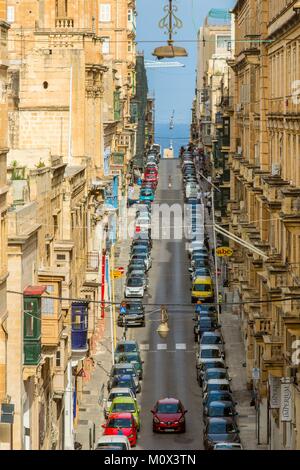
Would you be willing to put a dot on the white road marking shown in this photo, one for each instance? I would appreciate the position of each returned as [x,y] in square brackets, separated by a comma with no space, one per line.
[144,347]
[180,346]
[162,346]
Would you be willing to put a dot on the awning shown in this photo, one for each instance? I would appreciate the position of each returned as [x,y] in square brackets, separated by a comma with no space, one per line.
[294,331]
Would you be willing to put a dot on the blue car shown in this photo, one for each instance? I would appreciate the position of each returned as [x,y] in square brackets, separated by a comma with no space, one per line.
[146,195]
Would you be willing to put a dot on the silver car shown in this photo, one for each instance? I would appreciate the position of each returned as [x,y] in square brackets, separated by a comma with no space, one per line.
[115,393]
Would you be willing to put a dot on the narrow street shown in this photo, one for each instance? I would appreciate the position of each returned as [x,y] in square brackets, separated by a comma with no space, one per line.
[170,371]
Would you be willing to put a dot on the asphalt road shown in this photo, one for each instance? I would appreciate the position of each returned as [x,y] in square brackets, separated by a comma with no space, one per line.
[169,372]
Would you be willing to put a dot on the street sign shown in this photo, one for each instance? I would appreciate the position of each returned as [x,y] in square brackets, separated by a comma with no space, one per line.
[116,274]
[255,373]
[7,413]
[123,308]
[120,269]
[224,251]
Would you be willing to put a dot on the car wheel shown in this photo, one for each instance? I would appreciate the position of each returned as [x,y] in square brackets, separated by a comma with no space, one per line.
[153,429]
[196,338]
[183,429]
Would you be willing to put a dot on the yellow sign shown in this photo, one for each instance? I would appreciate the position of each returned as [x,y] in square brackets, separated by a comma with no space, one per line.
[224,251]
[116,274]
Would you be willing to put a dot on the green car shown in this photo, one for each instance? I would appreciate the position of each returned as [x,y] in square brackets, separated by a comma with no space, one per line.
[133,358]
[126,405]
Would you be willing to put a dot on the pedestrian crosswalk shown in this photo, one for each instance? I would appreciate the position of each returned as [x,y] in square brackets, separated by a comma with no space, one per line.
[164,347]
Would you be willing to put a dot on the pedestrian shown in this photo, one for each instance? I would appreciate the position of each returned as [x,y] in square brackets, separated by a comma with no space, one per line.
[208,205]
[220,300]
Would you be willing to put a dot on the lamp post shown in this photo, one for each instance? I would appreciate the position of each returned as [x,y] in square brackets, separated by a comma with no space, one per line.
[163,329]
[170,22]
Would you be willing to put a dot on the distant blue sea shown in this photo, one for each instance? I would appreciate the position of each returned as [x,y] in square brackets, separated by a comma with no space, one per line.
[179,135]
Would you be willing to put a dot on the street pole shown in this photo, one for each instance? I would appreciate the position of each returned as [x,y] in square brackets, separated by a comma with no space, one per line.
[113,294]
[215,251]
[110,311]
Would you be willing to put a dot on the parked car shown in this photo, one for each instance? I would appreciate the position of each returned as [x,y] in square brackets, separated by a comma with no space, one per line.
[122,369]
[228,446]
[133,358]
[142,256]
[218,395]
[126,405]
[219,409]
[135,287]
[113,443]
[204,364]
[125,346]
[214,338]
[123,381]
[121,422]
[147,195]
[207,324]
[209,351]
[215,373]
[135,313]
[220,430]
[168,416]
[216,384]
[116,393]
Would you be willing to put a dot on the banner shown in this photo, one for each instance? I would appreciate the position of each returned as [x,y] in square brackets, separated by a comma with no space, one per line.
[275,392]
[286,402]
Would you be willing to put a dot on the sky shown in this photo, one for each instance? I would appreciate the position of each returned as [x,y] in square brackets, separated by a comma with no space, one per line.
[173,88]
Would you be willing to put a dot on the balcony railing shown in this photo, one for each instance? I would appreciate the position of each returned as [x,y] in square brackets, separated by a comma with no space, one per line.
[64,23]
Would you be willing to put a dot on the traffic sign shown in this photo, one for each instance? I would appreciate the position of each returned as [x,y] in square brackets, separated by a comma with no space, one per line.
[224,251]
[116,274]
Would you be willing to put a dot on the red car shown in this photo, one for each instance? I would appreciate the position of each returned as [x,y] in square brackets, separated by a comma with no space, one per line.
[124,423]
[169,416]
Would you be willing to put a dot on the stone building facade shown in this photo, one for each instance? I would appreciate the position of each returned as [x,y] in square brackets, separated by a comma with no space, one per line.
[264,209]
[4,26]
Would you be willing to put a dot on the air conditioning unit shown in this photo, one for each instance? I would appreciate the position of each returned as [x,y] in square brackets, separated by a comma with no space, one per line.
[276,169]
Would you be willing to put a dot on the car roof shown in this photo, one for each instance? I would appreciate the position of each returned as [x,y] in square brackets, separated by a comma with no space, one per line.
[122,377]
[224,419]
[221,404]
[124,364]
[212,333]
[218,381]
[168,400]
[216,369]
[205,347]
[125,400]
[201,279]
[121,390]
[118,438]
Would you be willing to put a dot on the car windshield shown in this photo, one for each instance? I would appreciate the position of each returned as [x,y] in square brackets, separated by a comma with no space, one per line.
[168,408]
[144,192]
[123,383]
[207,353]
[126,347]
[135,282]
[215,374]
[119,423]
[202,287]
[135,307]
[112,446]
[123,371]
[211,340]
[139,256]
[130,357]
[207,323]
[114,395]
[215,411]
[124,407]
[217,386]
[220,427]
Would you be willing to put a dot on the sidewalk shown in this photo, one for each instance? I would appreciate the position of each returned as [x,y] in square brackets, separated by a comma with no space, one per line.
[235,360]
[90,413]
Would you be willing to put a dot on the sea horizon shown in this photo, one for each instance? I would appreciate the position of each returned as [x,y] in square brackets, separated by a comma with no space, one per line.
[178,136]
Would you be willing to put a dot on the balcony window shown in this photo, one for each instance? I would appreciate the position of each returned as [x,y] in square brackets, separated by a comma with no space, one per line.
[79,325]
[105,46]
[130,15]
[10,14]
[223,44]
[105,12]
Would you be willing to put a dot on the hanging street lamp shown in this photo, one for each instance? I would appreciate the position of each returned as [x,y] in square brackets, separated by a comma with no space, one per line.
[170,22]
